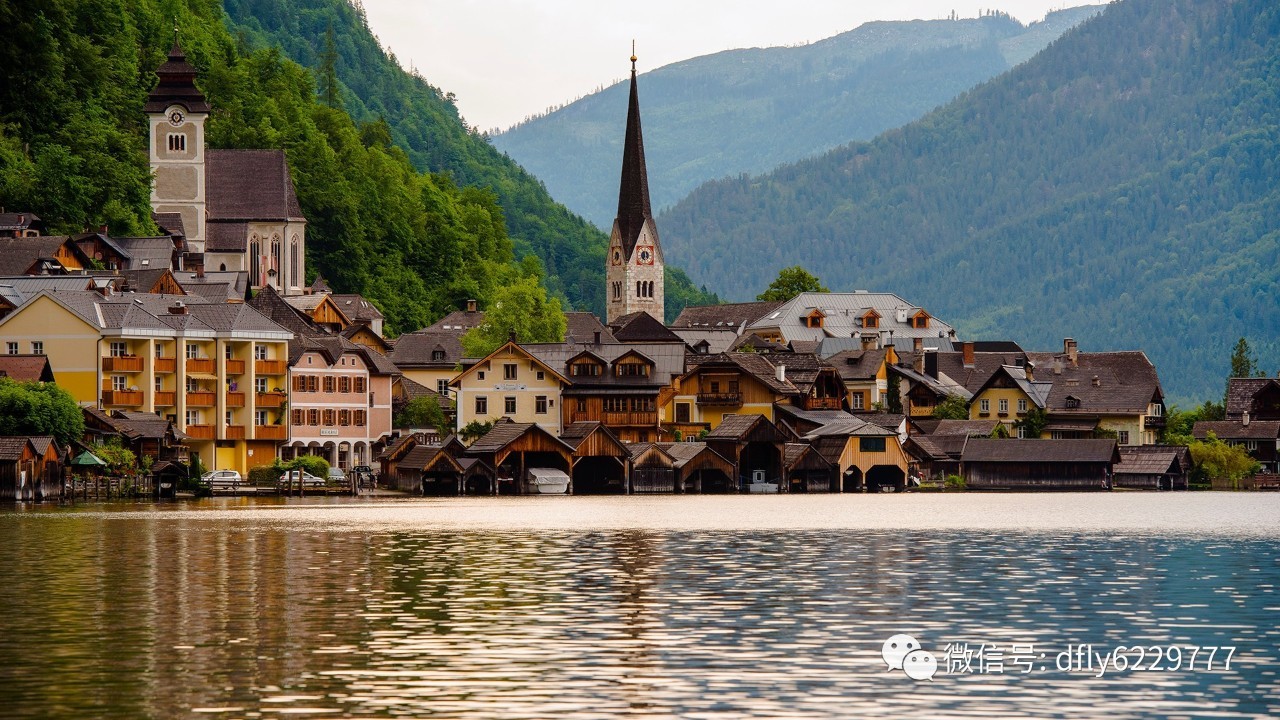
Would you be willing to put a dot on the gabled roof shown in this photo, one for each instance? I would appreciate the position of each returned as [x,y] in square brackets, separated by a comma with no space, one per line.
[1041,451]
[733,316]
[858,364]
[1126,381]
[356,307]
[1237,430]
[249,185]
[1241,392]
[26,368]
[842,313]
[582,327]
[18,255]
[1153,460]
[10,221]
[667,359]
[505,433]
[13,447]
[508,347]
[849,428]
[754,365]
[1035,390]
[418,349]
[737,427]
[641,327]
[458,322]
[683,453]
[575,434]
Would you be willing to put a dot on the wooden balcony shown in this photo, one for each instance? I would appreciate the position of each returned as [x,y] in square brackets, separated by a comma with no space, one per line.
[270,400]
[728,399]
[270,367]
[1153,422]
[269,432]
[200,432]
[200,365]
[166,399]
[631,418]
[234,432]
[235,399]
[235,367]
[166,365]
[201,398]
[687,430]
[128,363]
[822,403]
[124,398]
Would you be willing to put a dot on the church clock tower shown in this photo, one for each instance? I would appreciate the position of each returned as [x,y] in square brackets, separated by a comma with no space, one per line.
[176,114]
[634,263]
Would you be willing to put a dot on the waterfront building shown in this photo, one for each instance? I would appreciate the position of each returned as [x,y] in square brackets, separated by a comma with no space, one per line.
[1039,464]
[510,383]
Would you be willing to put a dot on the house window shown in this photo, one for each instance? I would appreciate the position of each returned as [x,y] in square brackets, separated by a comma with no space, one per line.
[259,352]
[1022,433]
[1122,437]
[632,370]
[358,385]
[715,387]
[582,405]
[1156,410]
[260,417]
[330,382]
[193,352]
[1073,403]
[159,351]
[330,417]
[344,417]
[540,405]
[1022,405]
[358,418]
[479,374]
[682,412]
[313,417]
[482,405]
[177,142]
[11,348]
[228,418]
[193,385]
[119,349]
[870,321]
[37,347]
[313,383]
[542,375]
[437,355]
[344,384]
[299,383]
[226,352]
[855,401]
[159,384]
[984,405]
[297,417]
[118,383]
[193,417]
[442,387]
[509,405]
[509,371]
[260,385]
[871,444]
[585,369]
[1004,406]
[295,256]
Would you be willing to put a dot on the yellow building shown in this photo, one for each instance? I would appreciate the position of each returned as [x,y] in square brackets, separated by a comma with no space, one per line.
[866,456]
[721,385]
[431,358]
[1008,395]
[510,383]
[220,371]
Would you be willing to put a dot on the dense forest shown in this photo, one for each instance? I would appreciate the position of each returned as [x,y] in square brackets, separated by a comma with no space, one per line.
[752,110]
[418,243]
[332,38]
[1122,188]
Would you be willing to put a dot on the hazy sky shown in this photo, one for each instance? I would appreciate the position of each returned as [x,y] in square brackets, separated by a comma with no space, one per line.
[506,59]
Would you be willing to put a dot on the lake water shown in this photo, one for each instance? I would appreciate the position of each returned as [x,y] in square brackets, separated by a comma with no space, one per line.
[698,607]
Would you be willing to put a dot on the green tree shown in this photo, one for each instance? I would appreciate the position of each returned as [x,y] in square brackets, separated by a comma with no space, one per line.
[422,412]
[474,430]
[522,310]
[1218,462]
[119,459]
[952,407]
[1243,365]
[791,282]
[329,69]
[39,409]
[1033,423]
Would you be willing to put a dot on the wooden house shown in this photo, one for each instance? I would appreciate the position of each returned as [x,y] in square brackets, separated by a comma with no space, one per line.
[513,449]
[1153,467]
[1039,464]
[652,468]
[31,468]
[601,462]
[699,469]
[806,470]
[866,456]
[754,446]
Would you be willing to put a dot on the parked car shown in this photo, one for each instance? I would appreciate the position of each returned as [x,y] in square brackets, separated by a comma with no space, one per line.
[224,481]
[289,478]
[336,476]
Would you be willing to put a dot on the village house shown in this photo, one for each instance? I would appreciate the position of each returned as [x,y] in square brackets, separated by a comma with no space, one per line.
[510,383]
[217,370]
[30,468]
[880,318]
[20,224]
[1068,465]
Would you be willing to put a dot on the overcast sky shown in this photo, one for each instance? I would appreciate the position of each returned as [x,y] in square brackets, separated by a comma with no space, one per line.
[507,59]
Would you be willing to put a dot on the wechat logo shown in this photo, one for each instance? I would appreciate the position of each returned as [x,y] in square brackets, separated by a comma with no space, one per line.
[903,652]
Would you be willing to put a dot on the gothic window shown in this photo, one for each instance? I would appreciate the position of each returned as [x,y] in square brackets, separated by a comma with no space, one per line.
[295,255]
[275,255]
[177,142]
[255,256]
[639,290]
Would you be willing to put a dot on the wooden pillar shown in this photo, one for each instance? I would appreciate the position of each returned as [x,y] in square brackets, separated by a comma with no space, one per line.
[626,476]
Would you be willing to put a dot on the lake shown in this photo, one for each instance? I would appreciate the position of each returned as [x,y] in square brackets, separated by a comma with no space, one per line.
[647,607]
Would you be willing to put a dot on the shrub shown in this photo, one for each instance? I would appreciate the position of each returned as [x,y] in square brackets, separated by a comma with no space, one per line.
[955,482]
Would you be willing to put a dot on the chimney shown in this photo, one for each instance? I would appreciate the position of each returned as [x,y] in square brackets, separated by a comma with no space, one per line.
[917,362]
[1057,366]
[931,364]
[471,306]
[868,342]
[917,345]
[1029,368]
[178,308]
[1244,419]
[782,373]
[967,348]
[902,314]
[102,229]
[1069,349]
[511,337]
[1096,381]
[200,272]
[597,337]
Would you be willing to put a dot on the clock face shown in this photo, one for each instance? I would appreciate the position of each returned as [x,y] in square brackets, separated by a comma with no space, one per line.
[175,117]
[646,256]
[617,257]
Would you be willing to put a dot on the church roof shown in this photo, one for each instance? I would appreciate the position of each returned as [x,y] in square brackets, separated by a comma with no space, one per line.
[250,185]
[633,191]
[177,86]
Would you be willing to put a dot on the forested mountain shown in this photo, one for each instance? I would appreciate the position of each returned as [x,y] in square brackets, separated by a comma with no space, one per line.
[753,110]
[332,38]
[1122,188]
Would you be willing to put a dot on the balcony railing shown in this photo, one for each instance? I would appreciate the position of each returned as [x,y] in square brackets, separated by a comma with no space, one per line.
[630,418]
[200,365]
[270,400]
[166,365]
[822,403]
[166,399]
[128,363]
[270,367]
[709,398]
[200,432]
[201,398]
[235,399]
[1153,422]
[235,432]
[269,432]
[126,398]
[235,367]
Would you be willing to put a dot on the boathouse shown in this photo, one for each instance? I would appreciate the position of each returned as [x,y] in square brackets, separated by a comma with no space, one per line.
[513,449]
[1039,464]
[699,469]
[753,445]
[1153,467]
[601,462]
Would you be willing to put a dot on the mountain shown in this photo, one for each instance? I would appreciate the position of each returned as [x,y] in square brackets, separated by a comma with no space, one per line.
[1122,188]
[333,39]
[749,111]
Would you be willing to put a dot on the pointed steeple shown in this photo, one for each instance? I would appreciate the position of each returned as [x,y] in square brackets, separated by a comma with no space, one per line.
[177,85]
[633,193]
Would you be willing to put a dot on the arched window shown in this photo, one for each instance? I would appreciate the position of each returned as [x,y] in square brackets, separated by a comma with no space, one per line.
[295,260]
[274,262]
[255,260]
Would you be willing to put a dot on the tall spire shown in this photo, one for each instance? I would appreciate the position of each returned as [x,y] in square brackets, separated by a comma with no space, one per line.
[633,192]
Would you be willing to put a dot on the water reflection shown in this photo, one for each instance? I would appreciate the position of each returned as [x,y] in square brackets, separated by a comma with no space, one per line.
[160,614]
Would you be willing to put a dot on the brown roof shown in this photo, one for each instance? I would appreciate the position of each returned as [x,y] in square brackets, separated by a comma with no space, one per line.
[177,86]
[18,221]
[226,236]
[582,327]
[857,364]
[169,222]
[729,315]
[19,254]
[1153,460]
[1241,391]
[249,185]
[26,368]
[505,433]
[641,327]
[419,349]
[1040,451]
[11,448]
[976,428]
[1237,430]
[457,322]
[357,308]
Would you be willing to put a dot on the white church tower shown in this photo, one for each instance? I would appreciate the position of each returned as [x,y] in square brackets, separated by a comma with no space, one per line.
[176,114]
[634,263]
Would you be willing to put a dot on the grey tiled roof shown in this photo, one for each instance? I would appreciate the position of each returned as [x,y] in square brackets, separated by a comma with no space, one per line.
[357,308]
[416,350]
[249,185]
[1040,451]
[1237,430]
[1152,460]
[19,254]
[148,253]
[641,327]
[169,222]
[582,327]
[729,315]
[1240,393]
[843,312]
[225,237]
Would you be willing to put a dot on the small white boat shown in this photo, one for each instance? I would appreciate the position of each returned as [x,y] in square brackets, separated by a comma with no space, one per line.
[548,481]
[762,487]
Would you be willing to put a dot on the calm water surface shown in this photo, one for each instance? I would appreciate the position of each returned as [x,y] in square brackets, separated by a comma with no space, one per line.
[692,607]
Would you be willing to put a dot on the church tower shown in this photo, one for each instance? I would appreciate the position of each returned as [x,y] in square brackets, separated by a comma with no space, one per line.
[634,263]
[176,113]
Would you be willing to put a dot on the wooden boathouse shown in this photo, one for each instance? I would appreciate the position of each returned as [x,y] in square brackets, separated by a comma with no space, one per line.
[1039,464]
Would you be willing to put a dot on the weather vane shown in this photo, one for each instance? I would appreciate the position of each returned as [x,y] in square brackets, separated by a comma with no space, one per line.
[633,56]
